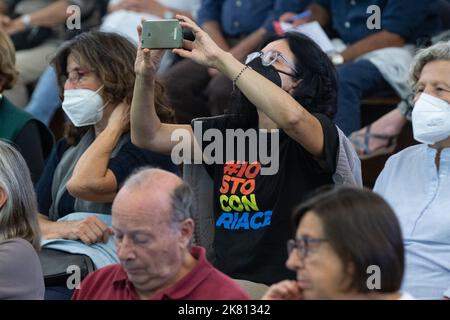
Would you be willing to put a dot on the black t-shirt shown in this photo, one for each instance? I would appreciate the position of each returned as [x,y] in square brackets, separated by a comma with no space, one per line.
[253,211]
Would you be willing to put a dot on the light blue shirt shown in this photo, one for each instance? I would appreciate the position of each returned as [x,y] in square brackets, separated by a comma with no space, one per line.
[420,196]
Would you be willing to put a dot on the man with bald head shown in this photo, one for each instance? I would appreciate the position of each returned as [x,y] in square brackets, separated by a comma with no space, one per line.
[153,227]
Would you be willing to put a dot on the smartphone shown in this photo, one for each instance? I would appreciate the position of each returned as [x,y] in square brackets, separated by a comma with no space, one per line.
[162,34]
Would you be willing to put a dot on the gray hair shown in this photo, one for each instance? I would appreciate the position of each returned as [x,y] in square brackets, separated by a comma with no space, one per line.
[182,197]
[439,51]
[18,216]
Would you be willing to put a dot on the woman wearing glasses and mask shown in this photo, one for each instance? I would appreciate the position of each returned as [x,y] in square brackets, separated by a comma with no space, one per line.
[348,245]
[291,86]
[95,71]
[416,181]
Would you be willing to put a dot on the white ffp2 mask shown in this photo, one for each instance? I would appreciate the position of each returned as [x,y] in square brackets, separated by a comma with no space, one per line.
[84,107]
[431,119]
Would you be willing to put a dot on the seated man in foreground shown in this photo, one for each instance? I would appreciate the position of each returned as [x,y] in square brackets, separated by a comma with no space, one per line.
[153,227]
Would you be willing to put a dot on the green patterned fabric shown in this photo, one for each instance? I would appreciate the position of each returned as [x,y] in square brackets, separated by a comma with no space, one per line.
[12,120]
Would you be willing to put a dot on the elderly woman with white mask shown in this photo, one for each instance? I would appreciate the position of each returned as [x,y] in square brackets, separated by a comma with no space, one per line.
[416,181]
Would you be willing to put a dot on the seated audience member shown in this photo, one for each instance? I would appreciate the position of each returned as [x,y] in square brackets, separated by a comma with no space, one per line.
[31,137]
[123,17]
[239,27]
[37,28]
[416,181]
[390,125]
[348,245]
[96,71]
[153,227]
[374,58]
[20,270]
[299,83]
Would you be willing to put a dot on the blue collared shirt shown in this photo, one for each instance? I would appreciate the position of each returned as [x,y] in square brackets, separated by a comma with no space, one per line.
[420,196]
[242,17]
[409,19]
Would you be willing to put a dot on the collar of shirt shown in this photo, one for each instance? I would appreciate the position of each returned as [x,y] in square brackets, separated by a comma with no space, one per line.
[179,290]
[444,162]
[444,158]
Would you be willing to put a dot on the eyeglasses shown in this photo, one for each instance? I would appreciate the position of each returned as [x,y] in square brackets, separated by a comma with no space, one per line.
[269,58]
[76,75]
[304,245]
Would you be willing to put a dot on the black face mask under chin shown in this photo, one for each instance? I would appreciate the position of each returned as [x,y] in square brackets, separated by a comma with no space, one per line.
[242,107]
[268,72]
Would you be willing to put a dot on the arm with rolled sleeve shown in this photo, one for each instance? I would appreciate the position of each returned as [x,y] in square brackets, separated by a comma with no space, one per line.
[400,21]
[209,17]
[404,17]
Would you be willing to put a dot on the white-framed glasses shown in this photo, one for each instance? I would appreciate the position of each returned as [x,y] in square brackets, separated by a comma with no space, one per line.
[269,58]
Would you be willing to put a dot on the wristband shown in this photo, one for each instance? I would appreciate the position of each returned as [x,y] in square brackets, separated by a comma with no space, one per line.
[238,76]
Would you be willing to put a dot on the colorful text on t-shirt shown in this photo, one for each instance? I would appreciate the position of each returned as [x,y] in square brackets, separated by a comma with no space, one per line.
[240,210]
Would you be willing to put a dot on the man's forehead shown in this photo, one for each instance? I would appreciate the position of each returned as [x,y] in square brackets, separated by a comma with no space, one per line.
[135,221]
[143,200]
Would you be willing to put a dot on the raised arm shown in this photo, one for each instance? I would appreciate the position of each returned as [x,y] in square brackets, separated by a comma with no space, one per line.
[91,179]
[147,131]
[277,104]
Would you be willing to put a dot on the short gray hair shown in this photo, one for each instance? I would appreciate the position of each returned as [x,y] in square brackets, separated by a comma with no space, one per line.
[18,216]
[182,197]
[439,51]
[182,203]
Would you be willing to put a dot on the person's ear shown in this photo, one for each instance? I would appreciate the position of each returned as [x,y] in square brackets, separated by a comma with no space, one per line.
[295,85]
[3,197]
[187,231]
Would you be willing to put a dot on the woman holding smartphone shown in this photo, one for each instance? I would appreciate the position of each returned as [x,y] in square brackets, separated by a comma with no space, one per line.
[289,87]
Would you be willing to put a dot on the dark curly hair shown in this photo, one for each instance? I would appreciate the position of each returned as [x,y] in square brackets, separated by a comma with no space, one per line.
[317,92]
